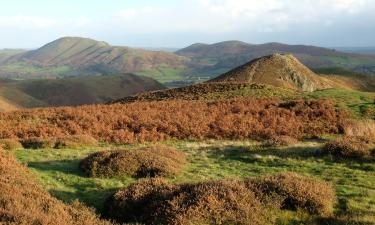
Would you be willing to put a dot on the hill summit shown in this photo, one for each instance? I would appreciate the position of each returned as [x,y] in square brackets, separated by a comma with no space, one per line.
[280,70]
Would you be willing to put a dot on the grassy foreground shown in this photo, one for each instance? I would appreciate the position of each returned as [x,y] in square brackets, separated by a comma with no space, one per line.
[354,181]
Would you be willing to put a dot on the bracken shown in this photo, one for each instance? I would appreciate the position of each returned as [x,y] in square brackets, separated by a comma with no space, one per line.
[157,121]
[23,201]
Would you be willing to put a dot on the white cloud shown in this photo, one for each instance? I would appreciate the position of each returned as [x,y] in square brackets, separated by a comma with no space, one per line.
[28,22]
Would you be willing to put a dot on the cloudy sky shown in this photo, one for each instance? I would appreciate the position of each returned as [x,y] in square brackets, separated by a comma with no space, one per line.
[178,23]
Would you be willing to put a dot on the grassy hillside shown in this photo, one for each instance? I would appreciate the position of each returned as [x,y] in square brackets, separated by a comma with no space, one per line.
[73,56]
[74,90]
[59,173]
[361,104]
[81,56]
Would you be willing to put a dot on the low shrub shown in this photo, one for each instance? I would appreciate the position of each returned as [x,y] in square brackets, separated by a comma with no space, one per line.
[146,162]
[75,141]
[348,147]
[278,141]
[23,201]
[158,202]
[10,144]
[297,192]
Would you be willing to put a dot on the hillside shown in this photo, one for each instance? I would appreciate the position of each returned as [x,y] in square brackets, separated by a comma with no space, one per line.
[72,91]
[214,59]
[81,56]
[74,56]
[278,70]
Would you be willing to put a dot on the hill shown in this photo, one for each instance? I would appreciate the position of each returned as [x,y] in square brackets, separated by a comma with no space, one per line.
[72,91]
[82,56]
[278,70]
[214,59]
[74,56]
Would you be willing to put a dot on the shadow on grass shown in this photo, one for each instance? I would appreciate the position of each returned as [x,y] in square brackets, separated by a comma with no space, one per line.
[63,166]
[86,194]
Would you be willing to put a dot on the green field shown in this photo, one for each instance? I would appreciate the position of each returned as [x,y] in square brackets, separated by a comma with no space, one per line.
[354,181]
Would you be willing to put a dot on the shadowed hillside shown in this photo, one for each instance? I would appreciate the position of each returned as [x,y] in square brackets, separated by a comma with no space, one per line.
[72,91]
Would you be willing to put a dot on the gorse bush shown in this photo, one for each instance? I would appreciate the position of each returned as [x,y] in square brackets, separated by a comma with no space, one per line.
[349,147]
[23,201]
[158,121]
[146,162]
[296,192]
[158,202]
[155,201]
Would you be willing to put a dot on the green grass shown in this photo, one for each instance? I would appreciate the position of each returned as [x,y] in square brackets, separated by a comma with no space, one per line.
[361,104]
[163,74]
[354,181]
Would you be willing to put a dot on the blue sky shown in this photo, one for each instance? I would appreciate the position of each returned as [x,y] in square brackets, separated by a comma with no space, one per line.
[178,23]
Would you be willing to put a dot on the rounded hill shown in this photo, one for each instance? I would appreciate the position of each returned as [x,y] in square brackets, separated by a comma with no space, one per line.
[280,70]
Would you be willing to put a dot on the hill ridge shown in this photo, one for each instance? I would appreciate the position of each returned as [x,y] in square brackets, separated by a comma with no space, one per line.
[281,70]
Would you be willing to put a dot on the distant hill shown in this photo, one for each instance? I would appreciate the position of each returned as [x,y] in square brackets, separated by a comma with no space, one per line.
[214,59]
[279,70]
[82,56]
[74,56]
[71,91]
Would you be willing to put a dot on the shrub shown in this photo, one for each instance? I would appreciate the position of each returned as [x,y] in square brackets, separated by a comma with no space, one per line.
[276,141]
[146,162]
[298,192]
[157,202]
[75,141]
[348,147]
[10,144]
[23,201]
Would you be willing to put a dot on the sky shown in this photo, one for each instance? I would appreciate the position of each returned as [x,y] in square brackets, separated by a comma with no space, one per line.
[179,23]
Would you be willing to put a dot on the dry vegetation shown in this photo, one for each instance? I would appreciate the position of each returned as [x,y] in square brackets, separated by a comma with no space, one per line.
[157,121]
[365,128]
[23,201]
[349,147]
[146,162]
[10,144]
[156,201]
[71,141]
[297,192]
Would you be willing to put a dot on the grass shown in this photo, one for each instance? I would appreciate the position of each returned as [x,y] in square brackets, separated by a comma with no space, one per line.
[354,181]
[361,104]
[164,74]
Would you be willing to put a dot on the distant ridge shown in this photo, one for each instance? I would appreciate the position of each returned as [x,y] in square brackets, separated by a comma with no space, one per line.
[280,70]
[75,56]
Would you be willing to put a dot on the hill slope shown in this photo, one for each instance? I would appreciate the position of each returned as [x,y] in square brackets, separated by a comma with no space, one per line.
[221,57]
[82,56]
[278,70]
[73,90]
